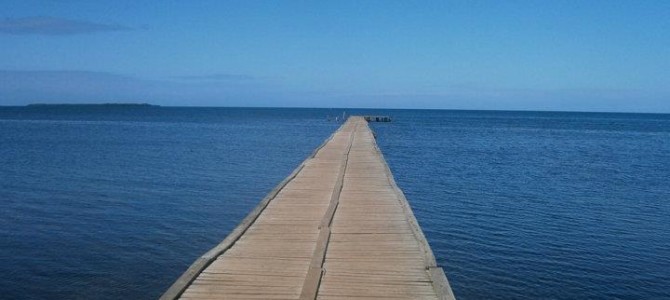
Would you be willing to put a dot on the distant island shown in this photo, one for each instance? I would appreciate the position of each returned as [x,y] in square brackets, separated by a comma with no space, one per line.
[93,104]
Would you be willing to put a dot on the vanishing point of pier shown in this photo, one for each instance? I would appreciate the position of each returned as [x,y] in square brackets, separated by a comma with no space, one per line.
[338,227]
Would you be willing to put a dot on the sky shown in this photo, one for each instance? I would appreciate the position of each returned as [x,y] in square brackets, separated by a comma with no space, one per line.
[501,55]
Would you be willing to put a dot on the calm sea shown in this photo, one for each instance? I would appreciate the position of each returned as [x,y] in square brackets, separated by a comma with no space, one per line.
[116,202]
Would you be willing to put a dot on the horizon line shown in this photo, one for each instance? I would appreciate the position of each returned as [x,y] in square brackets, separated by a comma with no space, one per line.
[150,105]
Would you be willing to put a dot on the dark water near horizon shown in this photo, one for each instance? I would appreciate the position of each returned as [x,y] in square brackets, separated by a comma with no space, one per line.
[115,202]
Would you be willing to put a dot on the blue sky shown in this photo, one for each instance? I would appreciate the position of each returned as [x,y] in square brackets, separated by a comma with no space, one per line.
[528,55]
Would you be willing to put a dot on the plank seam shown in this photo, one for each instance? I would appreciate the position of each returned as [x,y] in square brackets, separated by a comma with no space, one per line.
[315,272]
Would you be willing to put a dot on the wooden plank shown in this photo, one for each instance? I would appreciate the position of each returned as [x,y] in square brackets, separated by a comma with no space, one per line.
[313,278]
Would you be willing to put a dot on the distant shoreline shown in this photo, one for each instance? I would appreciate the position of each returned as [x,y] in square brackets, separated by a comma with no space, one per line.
[92,104]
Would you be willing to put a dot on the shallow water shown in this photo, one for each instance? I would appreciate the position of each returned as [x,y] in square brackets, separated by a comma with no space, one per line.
[108,203]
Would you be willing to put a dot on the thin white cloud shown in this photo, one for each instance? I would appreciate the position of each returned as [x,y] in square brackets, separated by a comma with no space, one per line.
[54,26]
[68,86]
[217,77]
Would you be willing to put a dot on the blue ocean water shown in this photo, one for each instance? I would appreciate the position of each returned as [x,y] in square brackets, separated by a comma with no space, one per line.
[525,205]
[115,202]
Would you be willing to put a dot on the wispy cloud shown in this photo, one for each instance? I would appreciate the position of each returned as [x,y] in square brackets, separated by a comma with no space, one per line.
[217,77]
[58,86]
[54,26]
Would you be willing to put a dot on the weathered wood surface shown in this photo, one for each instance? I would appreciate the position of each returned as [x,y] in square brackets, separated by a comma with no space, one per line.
[337,228]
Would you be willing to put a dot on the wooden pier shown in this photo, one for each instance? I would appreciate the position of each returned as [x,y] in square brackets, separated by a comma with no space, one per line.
[337,228]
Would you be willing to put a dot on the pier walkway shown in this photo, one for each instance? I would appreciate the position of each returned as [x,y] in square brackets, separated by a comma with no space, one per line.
[337,228]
